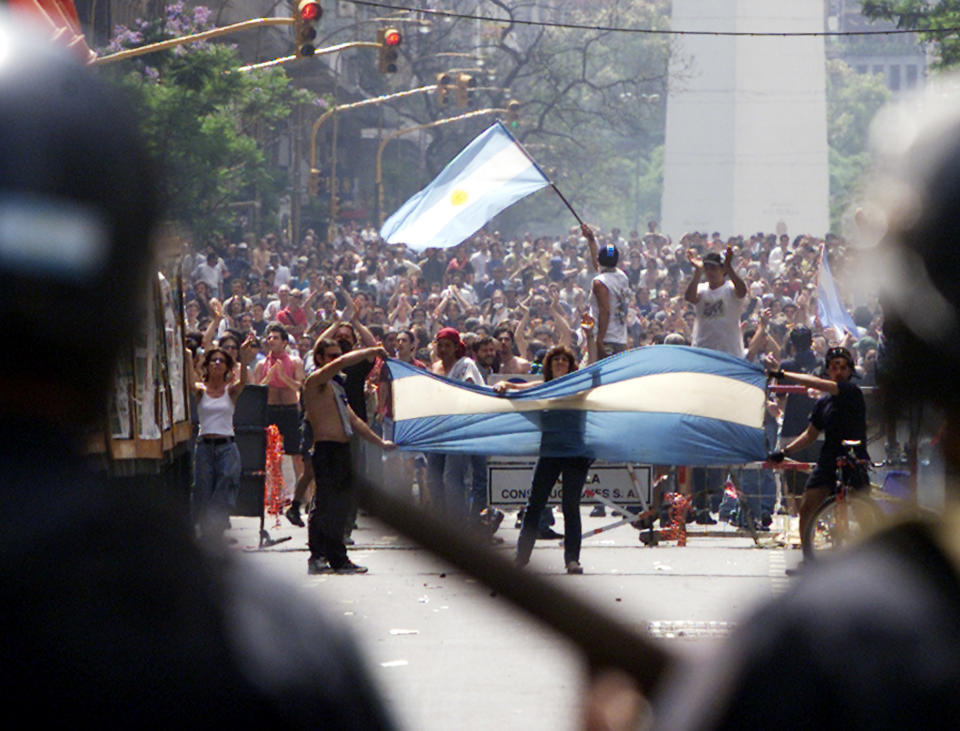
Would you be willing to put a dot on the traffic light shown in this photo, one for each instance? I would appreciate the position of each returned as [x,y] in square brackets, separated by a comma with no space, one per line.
[305,19]
[513,114]
[444,82]
[389,40]
[314,182]
[466,86]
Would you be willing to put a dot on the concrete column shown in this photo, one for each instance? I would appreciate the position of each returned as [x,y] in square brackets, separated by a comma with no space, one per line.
[746,132]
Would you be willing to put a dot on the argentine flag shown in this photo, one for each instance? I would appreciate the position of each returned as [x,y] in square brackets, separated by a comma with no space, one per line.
[662,404]
[489,174]
[830,309]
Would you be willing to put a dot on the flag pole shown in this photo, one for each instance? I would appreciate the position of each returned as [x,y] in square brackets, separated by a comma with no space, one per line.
[545,176]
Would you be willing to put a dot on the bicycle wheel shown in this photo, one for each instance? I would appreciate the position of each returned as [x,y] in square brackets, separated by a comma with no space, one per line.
[836,523]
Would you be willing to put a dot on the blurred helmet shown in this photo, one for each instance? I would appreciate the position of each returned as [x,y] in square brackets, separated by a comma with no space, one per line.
[915,195]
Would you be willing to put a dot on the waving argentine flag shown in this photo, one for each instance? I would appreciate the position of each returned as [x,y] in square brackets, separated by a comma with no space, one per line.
[662,404]
[830,309]
[490,174]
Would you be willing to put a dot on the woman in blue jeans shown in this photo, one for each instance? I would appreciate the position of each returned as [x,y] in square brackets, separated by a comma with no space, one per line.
[216,461]
[558,361]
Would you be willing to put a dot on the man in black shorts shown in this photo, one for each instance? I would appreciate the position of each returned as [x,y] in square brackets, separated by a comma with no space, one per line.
[282,374]
[841,414]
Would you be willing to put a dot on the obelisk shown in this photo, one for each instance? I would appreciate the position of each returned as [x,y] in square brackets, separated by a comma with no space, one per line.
[746,129]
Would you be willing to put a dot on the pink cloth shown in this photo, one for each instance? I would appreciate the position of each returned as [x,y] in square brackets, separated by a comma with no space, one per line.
[288,366]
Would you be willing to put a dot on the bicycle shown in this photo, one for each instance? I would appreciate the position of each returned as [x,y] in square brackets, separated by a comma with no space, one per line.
[847,515]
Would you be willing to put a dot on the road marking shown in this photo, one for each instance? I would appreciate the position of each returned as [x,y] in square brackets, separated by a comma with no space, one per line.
[778,576]
[670,629]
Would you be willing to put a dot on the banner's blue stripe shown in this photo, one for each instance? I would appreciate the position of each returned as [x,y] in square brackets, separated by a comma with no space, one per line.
[650,438]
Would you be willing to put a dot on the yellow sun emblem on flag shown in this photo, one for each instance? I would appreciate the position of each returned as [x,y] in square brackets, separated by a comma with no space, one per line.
[458,197]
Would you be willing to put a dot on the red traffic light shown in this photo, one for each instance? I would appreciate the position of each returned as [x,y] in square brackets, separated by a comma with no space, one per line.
[310,10]
[392,37]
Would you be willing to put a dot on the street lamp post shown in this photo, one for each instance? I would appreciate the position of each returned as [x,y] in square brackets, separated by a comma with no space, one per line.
[344,107]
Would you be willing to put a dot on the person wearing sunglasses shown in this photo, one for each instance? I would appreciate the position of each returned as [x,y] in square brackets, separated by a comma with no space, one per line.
[216,462]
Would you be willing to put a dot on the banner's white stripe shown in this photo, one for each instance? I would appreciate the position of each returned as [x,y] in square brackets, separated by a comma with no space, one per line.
[696,394]
[501,168]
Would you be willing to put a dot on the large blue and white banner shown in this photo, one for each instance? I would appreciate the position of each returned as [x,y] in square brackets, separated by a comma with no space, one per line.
[660,404]
[489,174]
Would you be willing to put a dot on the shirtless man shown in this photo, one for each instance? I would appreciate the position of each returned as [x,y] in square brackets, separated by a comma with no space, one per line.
[509,362]
[333,422]
[283,375]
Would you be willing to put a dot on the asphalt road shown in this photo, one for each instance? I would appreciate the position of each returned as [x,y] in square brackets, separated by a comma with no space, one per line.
[449,654]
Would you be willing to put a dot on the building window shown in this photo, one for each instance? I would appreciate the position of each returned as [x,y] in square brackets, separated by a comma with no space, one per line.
[862,68]
[911,76]
[878,69]
[895,78]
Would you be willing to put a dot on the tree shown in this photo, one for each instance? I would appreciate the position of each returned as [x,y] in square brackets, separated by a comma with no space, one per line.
[926,15]
[211,129]
[592,100]
[852,102]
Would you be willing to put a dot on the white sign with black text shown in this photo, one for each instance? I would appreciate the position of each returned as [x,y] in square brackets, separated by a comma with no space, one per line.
[509,481]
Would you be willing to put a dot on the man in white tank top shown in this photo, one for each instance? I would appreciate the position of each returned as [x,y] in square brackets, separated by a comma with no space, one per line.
[718,302]
[609,301]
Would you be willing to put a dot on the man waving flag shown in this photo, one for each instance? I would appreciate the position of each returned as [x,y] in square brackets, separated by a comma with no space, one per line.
[490,174]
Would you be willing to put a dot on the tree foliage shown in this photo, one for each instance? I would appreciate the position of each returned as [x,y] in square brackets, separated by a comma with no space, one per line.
[212,130]
[852,102]
[925,15]
[592,100]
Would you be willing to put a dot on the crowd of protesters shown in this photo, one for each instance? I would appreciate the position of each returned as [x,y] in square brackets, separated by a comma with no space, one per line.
[511,299]
[537,288]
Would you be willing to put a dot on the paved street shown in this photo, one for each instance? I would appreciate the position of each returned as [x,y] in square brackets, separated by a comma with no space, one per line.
[447,653]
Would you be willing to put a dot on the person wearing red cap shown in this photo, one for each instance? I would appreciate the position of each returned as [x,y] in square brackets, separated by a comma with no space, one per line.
[449,492]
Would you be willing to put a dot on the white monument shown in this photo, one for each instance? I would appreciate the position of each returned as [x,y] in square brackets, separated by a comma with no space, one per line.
[746,132]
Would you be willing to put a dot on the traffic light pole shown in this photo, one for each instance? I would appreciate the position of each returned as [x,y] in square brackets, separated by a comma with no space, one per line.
[173,42]
[226,30]
[401,132]
[344,107]
[356,105]
[318,52]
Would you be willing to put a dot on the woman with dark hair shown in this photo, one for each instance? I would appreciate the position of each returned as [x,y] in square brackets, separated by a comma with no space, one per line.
[559,361]
[216,462]
[841,415]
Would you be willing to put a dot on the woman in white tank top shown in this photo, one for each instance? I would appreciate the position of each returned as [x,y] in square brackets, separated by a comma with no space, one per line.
[216,461]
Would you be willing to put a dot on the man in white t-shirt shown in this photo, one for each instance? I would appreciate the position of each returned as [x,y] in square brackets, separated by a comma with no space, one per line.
[610,302]
[212,271]
[718,302]
[479,261]
[718,305]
